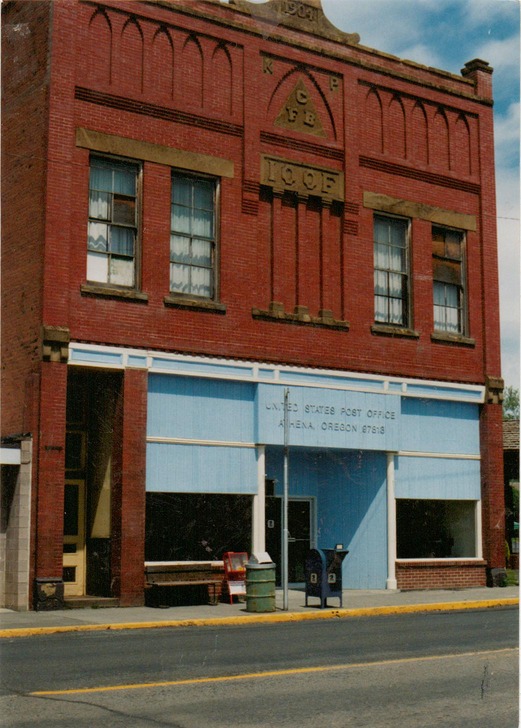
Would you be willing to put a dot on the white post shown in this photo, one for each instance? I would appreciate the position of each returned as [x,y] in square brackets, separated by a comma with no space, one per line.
[391,525]
[258,537]
[285,506]
[479,531]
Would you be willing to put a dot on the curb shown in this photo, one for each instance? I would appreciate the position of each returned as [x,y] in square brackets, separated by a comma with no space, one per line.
[265,618]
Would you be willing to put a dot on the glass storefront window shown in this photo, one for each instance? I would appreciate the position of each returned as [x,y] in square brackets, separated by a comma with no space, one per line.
[435,529]
[196,526]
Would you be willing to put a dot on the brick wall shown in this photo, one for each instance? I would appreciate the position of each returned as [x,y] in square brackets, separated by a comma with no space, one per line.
[446,575]
[327,267]
[328,259]
[25,45]
[50,471]
[492,486]
[128,499]
[149,73]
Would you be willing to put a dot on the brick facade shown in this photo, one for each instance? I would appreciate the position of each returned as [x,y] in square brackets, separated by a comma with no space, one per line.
[166,82]
[51,466]
[449,575]
[128,553]
[25,84]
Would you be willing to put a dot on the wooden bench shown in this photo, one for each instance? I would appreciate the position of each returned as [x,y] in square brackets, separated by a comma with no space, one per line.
[186,573]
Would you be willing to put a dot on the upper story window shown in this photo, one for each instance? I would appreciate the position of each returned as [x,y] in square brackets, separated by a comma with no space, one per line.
[391,271]
[192,236]
[447,272]
[112,236]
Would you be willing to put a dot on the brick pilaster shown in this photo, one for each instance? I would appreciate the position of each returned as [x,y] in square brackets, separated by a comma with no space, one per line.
[128,517]
[50,470]
[492,487]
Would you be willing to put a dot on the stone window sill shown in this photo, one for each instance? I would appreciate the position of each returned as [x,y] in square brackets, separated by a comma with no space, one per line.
[301,317]
[396,331]
[195,304]
[443,338]
[128,294]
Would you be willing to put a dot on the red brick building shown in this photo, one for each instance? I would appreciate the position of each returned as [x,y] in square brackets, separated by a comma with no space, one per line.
[206,204]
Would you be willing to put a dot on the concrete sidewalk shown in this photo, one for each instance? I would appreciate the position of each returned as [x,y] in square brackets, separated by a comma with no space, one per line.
[355,604]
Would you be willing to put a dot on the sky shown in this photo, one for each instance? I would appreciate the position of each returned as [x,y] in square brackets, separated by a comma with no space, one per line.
[446,34]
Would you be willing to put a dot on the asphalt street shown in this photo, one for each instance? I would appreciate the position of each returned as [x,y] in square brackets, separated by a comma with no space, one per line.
[440,669]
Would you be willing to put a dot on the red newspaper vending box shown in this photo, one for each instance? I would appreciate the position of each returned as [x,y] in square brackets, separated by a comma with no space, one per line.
[235,572]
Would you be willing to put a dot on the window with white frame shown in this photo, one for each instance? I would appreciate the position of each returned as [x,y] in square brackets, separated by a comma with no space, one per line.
[391,270]
[192,236]
[447,273]
[436,529]
[112,234]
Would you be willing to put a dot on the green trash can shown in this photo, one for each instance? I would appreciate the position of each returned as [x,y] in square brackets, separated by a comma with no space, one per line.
[260,587]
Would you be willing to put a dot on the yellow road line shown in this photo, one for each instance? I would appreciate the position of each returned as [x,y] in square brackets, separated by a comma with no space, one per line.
[264,618]
[269,673]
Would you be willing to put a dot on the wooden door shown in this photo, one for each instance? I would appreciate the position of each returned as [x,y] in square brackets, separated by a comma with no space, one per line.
[74,538]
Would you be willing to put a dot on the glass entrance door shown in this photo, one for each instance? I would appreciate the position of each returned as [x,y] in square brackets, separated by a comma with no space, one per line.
[74,493]
[74,538]
[299,539]
[300,536]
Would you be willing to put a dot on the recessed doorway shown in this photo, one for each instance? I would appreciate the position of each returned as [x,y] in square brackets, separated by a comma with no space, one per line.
[301,535]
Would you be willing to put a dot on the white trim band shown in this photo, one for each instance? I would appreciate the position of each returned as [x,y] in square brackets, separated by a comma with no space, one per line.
[440,455]
[111,357]
[391,582]
[189,441]
[441,560]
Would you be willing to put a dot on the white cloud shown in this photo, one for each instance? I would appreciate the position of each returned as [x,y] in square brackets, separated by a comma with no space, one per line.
[508,228]
[478,12]
[380,23]
[421,53]
[435,32]
[507,125]
[503,55]
[509,278]
[506,135]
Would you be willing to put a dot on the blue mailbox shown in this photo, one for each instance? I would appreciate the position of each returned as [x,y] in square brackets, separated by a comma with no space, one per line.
[324,574]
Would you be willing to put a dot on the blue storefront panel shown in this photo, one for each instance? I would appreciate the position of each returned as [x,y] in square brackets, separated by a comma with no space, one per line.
[200,409]
[186,412]
[350,491]
[204,433]
[187,468]
[437,478]
[438,426]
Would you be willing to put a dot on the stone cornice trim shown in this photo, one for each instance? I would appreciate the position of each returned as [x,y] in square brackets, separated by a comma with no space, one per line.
[419,210]
[123,146]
